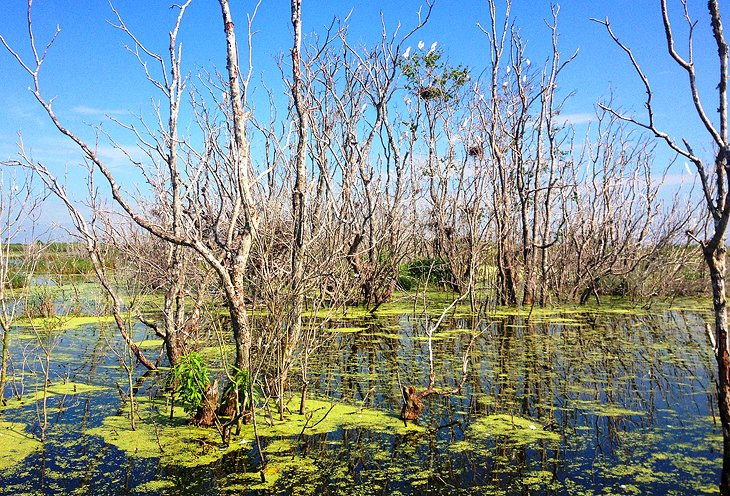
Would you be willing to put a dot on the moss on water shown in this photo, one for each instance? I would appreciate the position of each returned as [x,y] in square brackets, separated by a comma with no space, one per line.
[214,353]
[517,430]
[150,343]
[15,444]
[154,486]
[605,410]
[323,417]
[56,389]
[347,330]
[298,472]
[63,323]
[175,442]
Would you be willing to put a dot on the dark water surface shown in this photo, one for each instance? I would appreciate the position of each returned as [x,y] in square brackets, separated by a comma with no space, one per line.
[579,402]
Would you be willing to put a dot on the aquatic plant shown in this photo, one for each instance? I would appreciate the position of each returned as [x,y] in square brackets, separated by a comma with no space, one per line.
[189,378]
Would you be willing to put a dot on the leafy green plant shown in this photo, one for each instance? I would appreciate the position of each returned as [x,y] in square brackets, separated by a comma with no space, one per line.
[241,383]
[189,378]
[429,77]
[429,270]
[17,280]
[42,302]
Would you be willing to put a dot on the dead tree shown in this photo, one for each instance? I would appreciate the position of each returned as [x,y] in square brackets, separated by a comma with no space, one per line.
[715,181]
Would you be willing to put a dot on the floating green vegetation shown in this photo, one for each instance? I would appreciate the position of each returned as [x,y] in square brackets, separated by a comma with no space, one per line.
[604,410]
[517,430]
[300,471]
[150,343]
[384,335]
[154,486]
[57,389]
[323,417]
[347,330]
[214,354]
[70,387]
[15,444]
[540,479]
[63,323]
[176,442]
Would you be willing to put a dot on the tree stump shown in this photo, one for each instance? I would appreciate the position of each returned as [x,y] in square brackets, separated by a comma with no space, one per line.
[205,416]
[412,405]
[229,404]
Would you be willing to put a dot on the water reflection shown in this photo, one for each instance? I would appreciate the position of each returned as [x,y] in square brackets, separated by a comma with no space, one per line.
[556,405]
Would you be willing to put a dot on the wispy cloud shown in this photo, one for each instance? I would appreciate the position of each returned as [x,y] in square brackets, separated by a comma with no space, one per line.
[576,119]
[681,179]
[84,110]
[58,152]
[120,157]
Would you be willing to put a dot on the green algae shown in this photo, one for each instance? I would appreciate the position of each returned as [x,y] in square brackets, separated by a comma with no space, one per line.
[298,473]
[175,441]
[582,353]
[65,388]
[324,417]
[540,479]
[154,486]
[515,429]
[15,444]
[150,343]
[605,410]
[212,354]
[347,330]
[63,323]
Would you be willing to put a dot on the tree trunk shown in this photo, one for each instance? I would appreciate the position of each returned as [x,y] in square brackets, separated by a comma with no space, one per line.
[716,262]
[205,416]
[412,405]
[241,330]
[5,360]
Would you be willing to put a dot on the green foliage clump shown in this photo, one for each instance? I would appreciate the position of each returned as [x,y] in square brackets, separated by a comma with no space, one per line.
[42,302]
[241,385]
[428,270]
[17,280]
[432,79]
[190,377]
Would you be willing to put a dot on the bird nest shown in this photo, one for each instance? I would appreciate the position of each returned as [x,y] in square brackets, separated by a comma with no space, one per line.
[430,92]
[475,151]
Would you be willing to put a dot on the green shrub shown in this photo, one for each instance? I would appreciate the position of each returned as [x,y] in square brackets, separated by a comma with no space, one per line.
[17,280]
[241,383]
[406,281]
[190,377]
[429,270]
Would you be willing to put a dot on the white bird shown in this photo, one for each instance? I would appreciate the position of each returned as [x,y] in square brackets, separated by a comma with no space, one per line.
[508,69]
[433,46]
[407,100]
[524,79]
[421,45]
[528,62]
[504,85]
[407,53]
[364,107]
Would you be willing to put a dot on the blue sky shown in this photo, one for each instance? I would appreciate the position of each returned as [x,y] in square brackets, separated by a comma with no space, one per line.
[90,74]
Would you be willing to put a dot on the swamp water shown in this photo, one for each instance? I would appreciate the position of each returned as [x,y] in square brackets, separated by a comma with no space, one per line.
[579,401]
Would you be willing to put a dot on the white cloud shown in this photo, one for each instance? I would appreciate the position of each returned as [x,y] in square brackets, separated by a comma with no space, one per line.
[577,118]
[84,110]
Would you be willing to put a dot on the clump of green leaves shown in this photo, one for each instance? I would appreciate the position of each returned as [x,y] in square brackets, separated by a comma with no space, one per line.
[241,385]
[189,378]
[431,78]
[429,270]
